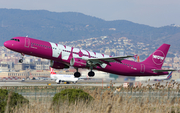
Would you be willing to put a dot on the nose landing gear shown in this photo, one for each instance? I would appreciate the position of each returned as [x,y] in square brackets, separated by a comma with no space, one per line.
[21,60]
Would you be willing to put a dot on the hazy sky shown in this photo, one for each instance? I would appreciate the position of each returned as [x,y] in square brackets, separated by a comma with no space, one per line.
[150,12]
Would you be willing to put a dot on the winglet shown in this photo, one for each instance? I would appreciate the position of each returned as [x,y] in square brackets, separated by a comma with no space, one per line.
[135,56]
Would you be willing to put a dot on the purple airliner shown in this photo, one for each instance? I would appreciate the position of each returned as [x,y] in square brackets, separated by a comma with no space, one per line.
[62,56]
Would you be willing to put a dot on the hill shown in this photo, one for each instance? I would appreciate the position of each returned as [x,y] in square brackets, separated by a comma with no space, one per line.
[68,26]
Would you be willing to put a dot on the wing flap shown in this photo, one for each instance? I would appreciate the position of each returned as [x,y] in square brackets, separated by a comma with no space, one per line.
[106,60]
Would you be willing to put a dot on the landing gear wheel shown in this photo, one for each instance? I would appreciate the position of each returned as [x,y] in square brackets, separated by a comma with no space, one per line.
[75,82]
[77,74]
[91,74]
[59,82]
[20,60]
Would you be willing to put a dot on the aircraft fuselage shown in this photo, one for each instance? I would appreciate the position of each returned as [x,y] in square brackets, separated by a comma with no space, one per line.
[64,54]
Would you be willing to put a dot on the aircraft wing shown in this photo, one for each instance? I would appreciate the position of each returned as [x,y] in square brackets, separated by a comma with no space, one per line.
[105,60]
[162,70]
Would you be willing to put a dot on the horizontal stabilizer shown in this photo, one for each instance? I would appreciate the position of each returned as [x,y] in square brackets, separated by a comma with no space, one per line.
[162,70]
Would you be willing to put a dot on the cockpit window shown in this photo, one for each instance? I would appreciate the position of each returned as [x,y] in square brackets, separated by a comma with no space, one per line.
[15,40]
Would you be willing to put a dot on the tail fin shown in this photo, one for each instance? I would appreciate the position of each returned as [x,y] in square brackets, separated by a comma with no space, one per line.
[156,59]
[52,72]
[169,76]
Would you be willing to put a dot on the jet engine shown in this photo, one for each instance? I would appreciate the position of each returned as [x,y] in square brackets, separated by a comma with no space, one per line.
[58,65]
[76,62]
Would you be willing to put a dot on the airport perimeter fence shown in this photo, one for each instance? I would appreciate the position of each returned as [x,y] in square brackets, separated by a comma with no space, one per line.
[47,92]
[41,93]
[150,94]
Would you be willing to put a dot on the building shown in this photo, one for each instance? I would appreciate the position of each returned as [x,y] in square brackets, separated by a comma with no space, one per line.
[25,74]
[23,66]
[42,65]
[4,67]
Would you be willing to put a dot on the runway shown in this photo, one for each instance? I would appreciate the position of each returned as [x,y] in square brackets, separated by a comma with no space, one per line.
[45,83]
[79,83]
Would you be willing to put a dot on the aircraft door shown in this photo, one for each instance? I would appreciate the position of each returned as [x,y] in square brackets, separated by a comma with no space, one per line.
[27,42]
[142,68]
[60,50]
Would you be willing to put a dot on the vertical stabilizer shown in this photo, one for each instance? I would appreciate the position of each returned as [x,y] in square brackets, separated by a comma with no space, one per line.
[156,59]
[169,76]
[52,72]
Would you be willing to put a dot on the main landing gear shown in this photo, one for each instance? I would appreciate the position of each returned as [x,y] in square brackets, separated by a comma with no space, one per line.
[91,74]
[78,74]
[21,60]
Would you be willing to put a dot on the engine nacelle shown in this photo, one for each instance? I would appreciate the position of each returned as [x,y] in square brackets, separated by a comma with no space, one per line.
[58,65]
[76,62]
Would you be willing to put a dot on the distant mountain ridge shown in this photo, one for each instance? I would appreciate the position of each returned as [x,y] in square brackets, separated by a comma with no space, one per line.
[68,26]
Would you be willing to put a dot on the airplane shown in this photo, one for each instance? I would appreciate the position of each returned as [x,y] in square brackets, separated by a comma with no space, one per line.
[155,78]
[63,77]
[62,56]
[167,78]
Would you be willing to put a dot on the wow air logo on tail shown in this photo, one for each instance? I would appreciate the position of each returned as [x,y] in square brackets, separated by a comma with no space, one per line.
[158,57]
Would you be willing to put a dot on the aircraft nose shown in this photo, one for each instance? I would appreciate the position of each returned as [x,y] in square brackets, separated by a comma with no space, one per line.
[7,44]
